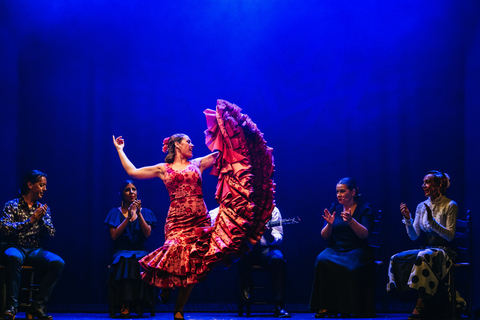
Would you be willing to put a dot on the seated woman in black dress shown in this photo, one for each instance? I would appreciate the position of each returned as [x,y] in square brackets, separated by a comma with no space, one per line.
[130,225]
[424,269]
[343,281]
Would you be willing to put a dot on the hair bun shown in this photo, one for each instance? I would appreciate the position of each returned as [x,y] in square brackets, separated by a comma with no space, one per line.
[448,179]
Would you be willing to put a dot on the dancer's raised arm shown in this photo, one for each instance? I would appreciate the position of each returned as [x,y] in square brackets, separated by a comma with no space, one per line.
[208,161]
[148,172]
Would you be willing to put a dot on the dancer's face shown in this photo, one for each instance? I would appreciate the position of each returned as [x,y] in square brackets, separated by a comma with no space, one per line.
[429,187]
[38,188]
[345,195]
[185,147]
[129,193]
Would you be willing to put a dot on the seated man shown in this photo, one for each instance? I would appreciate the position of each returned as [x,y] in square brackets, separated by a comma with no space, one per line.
[23,224]
[265,253]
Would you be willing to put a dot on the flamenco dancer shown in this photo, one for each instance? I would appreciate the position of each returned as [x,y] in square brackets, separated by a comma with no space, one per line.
[245,189]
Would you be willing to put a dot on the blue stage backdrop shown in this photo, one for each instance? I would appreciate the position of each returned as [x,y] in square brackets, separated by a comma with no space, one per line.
[382,91]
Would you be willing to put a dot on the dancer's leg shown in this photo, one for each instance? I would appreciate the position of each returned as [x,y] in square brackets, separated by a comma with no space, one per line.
[182,298]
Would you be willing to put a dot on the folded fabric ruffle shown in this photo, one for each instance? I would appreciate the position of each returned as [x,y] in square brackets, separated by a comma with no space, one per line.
[245,189]
[173,265]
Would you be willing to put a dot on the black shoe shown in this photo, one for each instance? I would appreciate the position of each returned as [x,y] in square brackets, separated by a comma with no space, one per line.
[418,315]
[10,313]
[38,313]
[246,293]
[322,314]
[281,313]
[139,310]
[178,318]
[125,311]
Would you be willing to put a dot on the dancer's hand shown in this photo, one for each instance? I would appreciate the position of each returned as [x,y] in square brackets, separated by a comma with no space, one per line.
[347,216]
[405,212]
[39,213]
[135,207]
[139,205]
[328,217]
[118,142]
[429,213]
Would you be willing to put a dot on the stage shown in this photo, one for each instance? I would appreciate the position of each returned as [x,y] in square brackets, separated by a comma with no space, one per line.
[202,316]
[380,91]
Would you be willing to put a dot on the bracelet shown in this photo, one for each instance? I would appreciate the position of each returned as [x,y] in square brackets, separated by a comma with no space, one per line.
[351,222]
[407,222]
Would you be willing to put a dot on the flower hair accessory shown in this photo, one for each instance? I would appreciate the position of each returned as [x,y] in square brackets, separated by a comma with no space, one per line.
[165,145]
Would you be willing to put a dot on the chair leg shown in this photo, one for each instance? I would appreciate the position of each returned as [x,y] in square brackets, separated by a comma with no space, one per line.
[4,292]
[152,307]
[453,295]
[470,295]
[111,307]
[152,310]
[240,309]
[30,293]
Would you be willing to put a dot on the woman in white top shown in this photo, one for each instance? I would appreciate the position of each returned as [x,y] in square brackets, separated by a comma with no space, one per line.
[425,269]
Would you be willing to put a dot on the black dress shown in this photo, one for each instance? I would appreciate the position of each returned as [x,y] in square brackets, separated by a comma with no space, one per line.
[343,279]
[124,277]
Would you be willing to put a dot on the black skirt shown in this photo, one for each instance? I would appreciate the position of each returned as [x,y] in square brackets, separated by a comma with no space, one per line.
[125,282]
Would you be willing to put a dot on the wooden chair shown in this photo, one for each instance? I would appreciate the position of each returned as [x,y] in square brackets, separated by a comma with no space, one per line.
[27,289]
[375,239]
[260,293]
[463,241]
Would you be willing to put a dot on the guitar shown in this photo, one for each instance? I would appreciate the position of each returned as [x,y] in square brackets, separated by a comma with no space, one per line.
[277,223]
[201,231]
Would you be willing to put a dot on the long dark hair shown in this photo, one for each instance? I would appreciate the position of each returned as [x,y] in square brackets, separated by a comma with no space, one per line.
[171,146]
[122,187]
[32,176]
[351,185]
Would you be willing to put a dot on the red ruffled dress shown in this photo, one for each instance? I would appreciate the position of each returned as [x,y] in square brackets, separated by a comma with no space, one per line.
[172,265]
[245,192]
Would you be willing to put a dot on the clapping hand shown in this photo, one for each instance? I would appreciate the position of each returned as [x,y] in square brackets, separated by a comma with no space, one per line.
[139,205]
[328,217]
[39,213]
[429,213]
[404,210]
[133,208]
[347,216]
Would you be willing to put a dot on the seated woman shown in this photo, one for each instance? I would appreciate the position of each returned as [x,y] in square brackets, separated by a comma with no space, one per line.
[130,225]
[343,279]
[424,269]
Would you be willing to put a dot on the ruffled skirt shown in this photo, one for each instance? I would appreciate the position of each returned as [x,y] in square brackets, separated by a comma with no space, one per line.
[245,189]
[173,264]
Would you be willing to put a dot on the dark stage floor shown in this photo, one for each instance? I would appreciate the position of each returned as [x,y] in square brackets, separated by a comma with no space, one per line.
[204,316]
